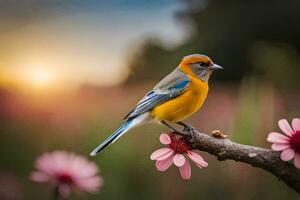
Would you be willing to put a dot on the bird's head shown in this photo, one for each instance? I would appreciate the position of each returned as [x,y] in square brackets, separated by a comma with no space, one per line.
[198,65]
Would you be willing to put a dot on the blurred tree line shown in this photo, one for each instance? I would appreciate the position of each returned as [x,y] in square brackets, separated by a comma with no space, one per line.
[248,38]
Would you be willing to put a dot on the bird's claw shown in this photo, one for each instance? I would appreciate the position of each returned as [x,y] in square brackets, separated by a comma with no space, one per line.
[191,133]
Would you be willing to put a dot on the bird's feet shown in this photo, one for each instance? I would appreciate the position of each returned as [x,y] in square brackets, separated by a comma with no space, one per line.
[191,133]
[189,130]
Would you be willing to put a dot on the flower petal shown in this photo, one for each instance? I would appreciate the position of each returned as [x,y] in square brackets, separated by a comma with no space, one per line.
[277,138]
[90,185]
[39,177]
[161,154]
[287,154]
[165,138]
[185,170]
[296,124]
[280,147]
[197,159]
[285,127]
[90,169]
[163,165]
[64,190]
[167,155]
[297,160]
[179,160]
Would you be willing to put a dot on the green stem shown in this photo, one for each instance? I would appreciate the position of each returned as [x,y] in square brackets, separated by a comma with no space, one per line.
[56,195]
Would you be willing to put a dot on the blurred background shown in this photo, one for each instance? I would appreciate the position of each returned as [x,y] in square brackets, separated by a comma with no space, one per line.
[70,70]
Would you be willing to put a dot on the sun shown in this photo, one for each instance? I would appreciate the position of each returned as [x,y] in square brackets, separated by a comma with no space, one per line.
[40,77]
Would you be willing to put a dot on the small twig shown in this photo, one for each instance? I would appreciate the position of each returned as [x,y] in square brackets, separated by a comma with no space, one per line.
[266,159]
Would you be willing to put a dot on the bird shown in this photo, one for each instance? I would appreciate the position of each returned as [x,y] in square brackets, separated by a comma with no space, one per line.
[173,99]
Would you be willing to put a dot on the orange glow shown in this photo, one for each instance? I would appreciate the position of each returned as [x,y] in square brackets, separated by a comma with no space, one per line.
[40,77]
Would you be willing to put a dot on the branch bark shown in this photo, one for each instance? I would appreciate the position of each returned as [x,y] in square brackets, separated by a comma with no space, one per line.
[266,159]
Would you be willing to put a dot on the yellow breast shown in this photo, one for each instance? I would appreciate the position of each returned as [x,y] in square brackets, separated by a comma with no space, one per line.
[184,105]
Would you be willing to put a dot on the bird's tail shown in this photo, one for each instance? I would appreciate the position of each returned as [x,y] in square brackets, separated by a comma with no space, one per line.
[129,124]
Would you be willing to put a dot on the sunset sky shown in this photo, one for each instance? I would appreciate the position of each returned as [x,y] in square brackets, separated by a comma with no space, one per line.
[44,42]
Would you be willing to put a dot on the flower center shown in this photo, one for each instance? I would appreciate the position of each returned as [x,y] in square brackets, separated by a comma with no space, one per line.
[65,178]
[295,141]
[179,145]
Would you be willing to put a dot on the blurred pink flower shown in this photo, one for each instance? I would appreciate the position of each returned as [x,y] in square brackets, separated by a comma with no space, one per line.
[289,143]
[66,172]
[178,148]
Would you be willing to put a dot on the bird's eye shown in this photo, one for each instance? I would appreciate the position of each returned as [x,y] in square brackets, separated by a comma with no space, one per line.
[202,64]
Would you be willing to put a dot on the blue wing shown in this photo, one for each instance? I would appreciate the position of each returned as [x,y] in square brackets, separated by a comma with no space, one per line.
[172,86]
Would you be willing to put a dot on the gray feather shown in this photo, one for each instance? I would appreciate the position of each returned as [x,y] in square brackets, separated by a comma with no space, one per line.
[170,87]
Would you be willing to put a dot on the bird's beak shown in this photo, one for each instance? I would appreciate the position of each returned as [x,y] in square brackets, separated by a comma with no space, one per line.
[216,67]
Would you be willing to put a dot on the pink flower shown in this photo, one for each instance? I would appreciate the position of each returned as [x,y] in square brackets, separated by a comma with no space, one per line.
[289,143]
[66,172]
[176,152]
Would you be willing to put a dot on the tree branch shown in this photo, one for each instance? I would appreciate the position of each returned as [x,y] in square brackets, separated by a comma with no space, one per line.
[266,159]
